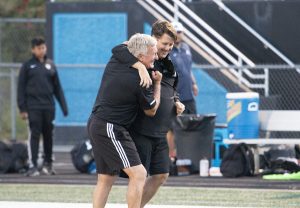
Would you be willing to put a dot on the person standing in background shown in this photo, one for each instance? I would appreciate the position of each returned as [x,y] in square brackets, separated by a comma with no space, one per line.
[181,57]
[37,85]
[187,88]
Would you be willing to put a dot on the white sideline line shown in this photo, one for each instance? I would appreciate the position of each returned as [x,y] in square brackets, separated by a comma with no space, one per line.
[10,204]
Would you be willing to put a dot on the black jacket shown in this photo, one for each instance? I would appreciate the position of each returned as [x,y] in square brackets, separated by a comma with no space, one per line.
[158,125]
[38,84]
[120,95]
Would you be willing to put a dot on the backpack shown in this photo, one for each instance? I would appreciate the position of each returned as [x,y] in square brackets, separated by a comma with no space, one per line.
[13,157]
[279,161]
[19,154]
[238,161]
[282,166]
[82,156]
[5,157]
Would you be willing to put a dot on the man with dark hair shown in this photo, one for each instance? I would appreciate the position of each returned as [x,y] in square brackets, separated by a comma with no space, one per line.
[117,103]
[187,88]
[38,84]
[149,133]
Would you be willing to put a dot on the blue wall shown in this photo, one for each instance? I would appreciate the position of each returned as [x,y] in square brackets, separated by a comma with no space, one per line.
[87,38]
[147,28]
[84,38]
[211,97]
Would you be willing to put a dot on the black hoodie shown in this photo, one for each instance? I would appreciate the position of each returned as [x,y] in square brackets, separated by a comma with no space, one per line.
[38,84]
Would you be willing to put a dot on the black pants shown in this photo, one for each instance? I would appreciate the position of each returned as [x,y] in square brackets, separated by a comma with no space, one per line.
[154,153]
[40,122]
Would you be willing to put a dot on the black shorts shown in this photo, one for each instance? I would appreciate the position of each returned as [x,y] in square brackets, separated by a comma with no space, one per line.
[154,153]
[113,147]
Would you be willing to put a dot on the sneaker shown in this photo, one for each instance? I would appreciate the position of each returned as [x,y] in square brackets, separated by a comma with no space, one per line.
[48,169]
[32,172]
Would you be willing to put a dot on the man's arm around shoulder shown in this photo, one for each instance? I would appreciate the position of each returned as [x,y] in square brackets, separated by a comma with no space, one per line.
[122,54]
[156,75]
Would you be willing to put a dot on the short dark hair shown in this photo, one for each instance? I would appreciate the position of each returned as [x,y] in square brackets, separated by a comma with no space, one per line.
[161,27]
[37,41]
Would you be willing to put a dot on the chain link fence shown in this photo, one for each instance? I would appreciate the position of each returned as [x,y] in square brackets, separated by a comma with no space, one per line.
[15,37]
[279,86]
[8,119]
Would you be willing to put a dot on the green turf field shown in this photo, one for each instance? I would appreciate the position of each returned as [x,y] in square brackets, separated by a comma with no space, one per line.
[166,195]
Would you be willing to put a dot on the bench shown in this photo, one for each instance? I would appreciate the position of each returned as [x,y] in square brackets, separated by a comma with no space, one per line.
[272,120]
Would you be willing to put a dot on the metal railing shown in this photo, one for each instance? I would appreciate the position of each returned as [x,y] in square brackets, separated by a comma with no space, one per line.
[15,37]
[246,77]
[11,73]
[8,71]
[13,104]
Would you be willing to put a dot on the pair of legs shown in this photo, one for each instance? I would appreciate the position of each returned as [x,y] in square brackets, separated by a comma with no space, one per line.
[137,177]
[114,150]
[40,122]
[153,152]
[139,192]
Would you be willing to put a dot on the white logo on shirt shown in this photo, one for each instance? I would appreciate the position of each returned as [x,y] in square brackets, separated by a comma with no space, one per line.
[188,52]
[32,66]
[48,66]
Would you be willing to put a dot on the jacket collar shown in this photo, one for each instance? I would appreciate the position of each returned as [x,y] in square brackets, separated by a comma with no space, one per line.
[36,59]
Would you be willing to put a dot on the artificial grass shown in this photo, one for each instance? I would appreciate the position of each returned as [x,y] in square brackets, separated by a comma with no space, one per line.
[166,195]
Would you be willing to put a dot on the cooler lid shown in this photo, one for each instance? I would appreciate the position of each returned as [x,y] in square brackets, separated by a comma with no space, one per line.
[237,95]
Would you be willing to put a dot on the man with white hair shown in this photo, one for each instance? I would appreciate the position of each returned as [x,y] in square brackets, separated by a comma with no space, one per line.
[149,133]
[118,100]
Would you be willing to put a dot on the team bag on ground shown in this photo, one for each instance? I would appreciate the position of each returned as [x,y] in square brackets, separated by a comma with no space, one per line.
[82,156]
[238,161]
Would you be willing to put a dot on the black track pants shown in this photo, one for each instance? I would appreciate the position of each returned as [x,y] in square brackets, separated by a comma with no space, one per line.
[40,122]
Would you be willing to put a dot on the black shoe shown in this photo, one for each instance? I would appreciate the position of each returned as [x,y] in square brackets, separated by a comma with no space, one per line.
[32,172]
[48,169]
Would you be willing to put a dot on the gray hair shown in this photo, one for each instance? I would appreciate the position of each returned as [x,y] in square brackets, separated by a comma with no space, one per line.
[138,44]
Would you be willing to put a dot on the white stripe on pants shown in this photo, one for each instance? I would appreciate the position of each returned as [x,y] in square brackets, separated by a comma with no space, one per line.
[117,144]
